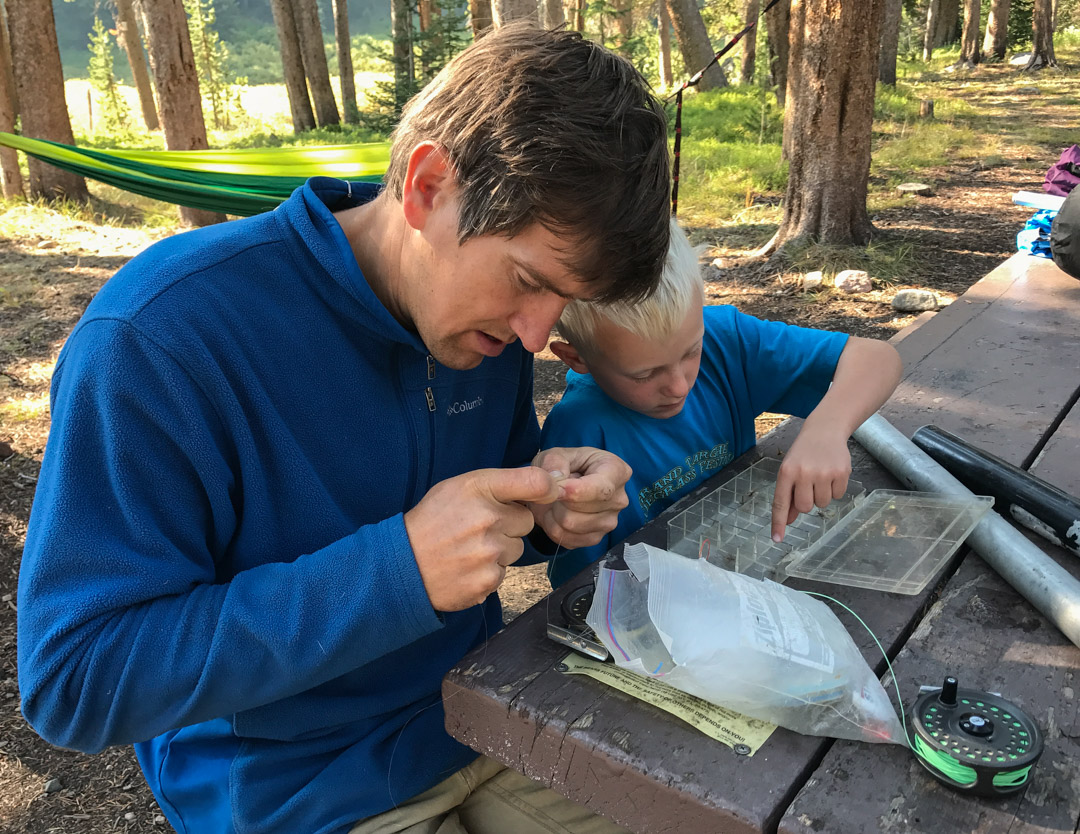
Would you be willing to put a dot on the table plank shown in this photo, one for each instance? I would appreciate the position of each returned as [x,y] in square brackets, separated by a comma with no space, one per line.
[972,369]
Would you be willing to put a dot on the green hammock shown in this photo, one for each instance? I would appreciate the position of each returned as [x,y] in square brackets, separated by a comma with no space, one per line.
[241,182]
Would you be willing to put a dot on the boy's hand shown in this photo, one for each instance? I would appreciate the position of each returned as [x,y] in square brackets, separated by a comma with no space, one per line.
[814,472]
[592,493]
[467,529]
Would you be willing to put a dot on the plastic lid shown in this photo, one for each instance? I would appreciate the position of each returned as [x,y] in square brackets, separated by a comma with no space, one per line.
[892,541]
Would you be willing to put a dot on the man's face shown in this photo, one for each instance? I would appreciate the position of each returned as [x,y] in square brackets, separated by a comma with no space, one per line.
[649,377]
[471,300]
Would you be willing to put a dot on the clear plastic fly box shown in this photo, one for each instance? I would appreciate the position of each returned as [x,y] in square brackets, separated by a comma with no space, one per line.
[889,540]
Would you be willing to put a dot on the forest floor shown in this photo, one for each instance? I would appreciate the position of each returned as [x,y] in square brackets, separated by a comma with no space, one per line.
[52,262]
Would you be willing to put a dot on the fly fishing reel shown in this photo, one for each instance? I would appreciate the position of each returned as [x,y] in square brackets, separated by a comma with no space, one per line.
[574,632]
[973,741]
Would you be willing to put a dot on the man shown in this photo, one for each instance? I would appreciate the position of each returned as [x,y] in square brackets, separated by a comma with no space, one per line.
[288,460]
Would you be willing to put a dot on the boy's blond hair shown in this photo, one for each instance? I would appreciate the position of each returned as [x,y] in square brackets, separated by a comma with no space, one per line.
[654,319]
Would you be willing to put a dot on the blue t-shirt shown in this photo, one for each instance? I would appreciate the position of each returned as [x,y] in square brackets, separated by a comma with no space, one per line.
[748,367]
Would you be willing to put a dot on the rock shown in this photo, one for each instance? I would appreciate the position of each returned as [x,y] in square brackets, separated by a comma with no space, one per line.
[5,450]
[919,189]
[718,263]
[912,301]
[1021,59]
[48,244]
[52,786]
[853,281]
[812,280]
[130,816]
[6,598]
[159,819]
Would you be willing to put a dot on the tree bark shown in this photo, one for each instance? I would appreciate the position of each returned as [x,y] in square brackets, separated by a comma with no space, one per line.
[933,19]
[401,30]
[1042,36]
[313,53]
[10,176]
[480,17]
[579,15]
[969,40]
[778,24]
[503,11]
[749,42]
[996,41]
[554,15]
[693,40]
[947,22]
[345,67]
[292,65]
[39,87]
[827,122]
[624,24]
[663,33]
[127,30]
[890,42]
[177,82]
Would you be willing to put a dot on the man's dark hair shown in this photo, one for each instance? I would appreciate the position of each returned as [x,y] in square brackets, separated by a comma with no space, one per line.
[546,126]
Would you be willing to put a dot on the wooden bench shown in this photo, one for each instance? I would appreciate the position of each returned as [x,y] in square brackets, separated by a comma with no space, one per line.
[1001,368]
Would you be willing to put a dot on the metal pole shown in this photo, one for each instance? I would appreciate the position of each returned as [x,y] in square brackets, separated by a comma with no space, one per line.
[1039,579]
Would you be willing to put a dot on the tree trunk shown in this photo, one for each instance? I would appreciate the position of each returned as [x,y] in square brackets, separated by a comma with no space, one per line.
[1042,36]
[890,42]
[10,175]
[663,32]
[996,41]
[401,31]
[344,58]
[969,41]
[313,53]
[177,82]
[579,15]
[933,20]
[694,43]
[624,24]
[39,88]
[127,31]
[948,22]
[479,17]
[503,11]
[778,24]
[749,42]
[292,65]
[554,16]
[827,121]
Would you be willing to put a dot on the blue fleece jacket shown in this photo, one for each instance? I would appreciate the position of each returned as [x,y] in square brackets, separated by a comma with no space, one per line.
[217,567]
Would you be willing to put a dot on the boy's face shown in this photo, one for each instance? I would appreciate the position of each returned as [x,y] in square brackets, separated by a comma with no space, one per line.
[651,378]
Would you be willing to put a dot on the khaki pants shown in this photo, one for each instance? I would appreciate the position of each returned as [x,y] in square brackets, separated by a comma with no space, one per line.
[487,798]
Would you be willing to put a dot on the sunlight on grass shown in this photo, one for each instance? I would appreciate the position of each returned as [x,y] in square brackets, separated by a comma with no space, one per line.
[29,407]
[888,262]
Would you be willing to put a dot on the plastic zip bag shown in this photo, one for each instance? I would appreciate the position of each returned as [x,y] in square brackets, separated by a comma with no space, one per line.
[753,646]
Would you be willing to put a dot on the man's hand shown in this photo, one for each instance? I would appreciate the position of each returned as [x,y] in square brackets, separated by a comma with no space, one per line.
[814,472]
[593,493]
[467,529]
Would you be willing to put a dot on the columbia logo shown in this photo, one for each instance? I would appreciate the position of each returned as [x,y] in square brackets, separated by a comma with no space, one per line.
[463,406]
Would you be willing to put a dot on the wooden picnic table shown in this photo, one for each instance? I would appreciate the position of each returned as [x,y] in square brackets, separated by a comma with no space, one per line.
[999,367]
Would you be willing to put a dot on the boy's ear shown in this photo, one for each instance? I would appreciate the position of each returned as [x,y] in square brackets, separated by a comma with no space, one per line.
[428,177]
[568,354]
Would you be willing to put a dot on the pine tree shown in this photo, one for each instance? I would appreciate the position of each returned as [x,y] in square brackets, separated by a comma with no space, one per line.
[115,115]
[211,57]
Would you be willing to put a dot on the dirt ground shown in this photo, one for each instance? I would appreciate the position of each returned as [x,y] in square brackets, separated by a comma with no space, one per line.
[51,266]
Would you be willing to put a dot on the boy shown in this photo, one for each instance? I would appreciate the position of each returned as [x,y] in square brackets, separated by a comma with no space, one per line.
[673,387]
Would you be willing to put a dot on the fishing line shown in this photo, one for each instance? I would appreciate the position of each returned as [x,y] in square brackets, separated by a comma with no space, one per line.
[974,741]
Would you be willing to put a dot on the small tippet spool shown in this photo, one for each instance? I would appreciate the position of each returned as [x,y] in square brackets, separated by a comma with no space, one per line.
[973,741]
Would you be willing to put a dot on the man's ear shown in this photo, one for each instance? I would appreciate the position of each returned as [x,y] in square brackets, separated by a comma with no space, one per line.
[568,354]
[429,178]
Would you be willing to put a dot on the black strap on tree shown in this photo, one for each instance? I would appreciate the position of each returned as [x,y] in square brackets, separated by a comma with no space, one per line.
[693,82]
